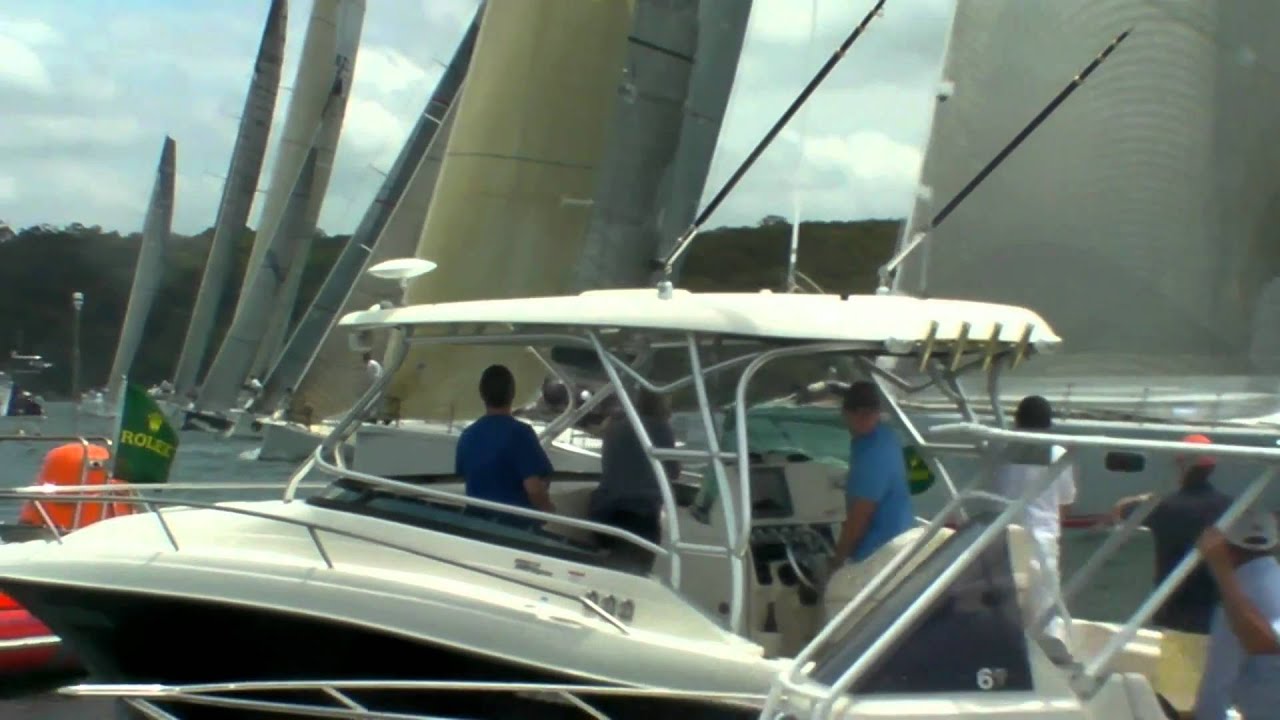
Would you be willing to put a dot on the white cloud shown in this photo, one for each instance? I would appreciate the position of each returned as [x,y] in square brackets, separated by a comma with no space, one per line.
[371,131]
[387,71]
[8,188]
[30,32]
[83,142]
[49,130]
[865,156]
[21,67]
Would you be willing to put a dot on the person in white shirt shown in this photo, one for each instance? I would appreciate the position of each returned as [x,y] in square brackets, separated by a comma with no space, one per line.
[1242,666]
[1042,517]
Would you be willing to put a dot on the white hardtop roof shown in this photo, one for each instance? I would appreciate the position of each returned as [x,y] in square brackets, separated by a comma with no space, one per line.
[764,315]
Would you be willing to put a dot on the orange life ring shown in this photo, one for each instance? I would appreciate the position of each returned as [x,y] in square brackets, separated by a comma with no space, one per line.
[65,466]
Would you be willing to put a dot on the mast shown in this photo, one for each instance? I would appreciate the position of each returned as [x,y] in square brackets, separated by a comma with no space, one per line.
[313,122]
[237,195]
[300,352]
[146,274]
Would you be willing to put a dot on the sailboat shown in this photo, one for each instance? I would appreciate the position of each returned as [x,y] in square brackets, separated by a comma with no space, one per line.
[147,274]
[317,374]
[21,412]
[300,176]
[237,198]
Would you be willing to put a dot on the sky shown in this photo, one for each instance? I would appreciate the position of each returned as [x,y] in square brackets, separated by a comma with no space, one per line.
[90,88]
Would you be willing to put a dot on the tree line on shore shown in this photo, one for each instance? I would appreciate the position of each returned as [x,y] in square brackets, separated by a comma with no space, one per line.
[43,265]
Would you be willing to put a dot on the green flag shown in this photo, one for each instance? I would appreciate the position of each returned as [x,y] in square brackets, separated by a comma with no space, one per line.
[147,443]
[919,475]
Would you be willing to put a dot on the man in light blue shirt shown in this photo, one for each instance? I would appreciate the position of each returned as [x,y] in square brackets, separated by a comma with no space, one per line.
[1242,666]
[878,500]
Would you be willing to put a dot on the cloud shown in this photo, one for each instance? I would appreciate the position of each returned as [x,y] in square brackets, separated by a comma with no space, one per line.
[21,67]
[84,121]
[386,71]
[49,131]
[865,156]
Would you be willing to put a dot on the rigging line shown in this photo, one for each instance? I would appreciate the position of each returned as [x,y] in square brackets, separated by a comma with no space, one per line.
[892,265]
[687,236]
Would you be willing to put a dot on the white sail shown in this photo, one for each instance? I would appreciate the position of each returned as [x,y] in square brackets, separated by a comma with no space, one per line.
[319,371]
[1102,219]
[147,272]
[349,20]
[269,277]
[313,122]
[1246,182]
[622,235]
[338,375]
[237,196]
[532,129]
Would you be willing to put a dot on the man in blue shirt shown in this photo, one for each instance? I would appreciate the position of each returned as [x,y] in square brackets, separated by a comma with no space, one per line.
[499,456]
[1242,667]
[878,499]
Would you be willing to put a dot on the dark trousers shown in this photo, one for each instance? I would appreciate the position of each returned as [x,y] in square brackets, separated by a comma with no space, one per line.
[645,525]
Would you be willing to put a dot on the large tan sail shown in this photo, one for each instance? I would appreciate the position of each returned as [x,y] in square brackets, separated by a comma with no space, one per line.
[1101,220]
[507,219]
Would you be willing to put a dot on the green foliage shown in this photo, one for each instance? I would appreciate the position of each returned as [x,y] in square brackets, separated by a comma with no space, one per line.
[841,257]
[41,266]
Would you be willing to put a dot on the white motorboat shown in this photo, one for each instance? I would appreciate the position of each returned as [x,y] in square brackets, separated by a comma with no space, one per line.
[378,596]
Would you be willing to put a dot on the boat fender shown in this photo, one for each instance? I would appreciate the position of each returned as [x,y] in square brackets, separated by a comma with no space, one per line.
[64,466]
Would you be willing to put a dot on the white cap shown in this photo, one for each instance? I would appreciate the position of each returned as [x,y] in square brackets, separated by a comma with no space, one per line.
[1255,530]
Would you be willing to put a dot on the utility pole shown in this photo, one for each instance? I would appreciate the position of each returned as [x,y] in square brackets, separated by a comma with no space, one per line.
[77,304]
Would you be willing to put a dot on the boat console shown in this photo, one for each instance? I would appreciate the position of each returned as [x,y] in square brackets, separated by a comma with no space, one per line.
[797,508]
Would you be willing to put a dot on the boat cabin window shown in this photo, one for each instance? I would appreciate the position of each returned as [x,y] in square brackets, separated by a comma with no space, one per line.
[970,640]
[1125,462]
[432,514]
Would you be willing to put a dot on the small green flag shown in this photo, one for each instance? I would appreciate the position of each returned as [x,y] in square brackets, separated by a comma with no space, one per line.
[919,476]
[147,443]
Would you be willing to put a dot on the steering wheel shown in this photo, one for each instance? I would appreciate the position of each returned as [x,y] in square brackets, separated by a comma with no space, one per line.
[803,574]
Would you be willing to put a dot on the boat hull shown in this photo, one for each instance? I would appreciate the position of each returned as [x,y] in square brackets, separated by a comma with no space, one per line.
[126,637]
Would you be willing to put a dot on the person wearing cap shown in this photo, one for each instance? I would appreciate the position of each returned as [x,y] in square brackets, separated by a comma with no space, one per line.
[1242,668]
[1175,523]
[877,498]
[1028,465]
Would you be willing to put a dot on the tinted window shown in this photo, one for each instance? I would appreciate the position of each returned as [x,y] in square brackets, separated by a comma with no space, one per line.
[350,496]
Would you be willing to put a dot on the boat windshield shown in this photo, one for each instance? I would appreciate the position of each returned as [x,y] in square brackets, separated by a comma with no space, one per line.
[430,513]
[976,624]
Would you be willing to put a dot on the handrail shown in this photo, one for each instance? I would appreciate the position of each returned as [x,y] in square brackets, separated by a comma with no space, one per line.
[921,603]
[223,695]
[1100,663]
[85,463]
[313,529]
[49,489]
[1170,447]
[674,571]
[1087,678]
